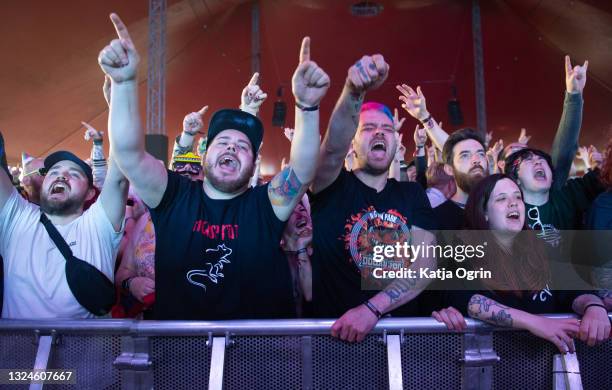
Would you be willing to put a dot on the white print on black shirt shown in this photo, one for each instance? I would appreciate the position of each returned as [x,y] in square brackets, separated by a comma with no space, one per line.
[213,273]
[542,295]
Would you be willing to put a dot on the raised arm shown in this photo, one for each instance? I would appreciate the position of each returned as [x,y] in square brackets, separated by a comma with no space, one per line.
[6,186]
[98,161]
[557,331]
[119,60]
[368,73]
[113,196]
[565,143]
[414,103]
[192,125]
[252,96]
[309,85]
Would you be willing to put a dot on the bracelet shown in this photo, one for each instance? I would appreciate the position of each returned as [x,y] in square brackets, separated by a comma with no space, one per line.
[300,251]
[304,108]
[595,304]
[426,119]
[373,309]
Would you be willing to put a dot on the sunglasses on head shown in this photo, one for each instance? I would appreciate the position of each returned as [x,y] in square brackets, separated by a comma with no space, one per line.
[193,169]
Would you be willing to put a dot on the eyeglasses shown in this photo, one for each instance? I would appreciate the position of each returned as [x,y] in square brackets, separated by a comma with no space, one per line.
[41,171]
[193,169]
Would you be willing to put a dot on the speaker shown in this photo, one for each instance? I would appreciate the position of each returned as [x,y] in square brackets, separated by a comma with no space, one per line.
[454,109]
[279,114]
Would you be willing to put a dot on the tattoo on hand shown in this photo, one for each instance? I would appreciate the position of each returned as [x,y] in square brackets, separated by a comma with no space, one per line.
[284,187]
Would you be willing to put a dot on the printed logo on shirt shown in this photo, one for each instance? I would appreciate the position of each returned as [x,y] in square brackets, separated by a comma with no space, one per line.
[370,228]
[543,295]
[212,272]
[216,232]
[547,232]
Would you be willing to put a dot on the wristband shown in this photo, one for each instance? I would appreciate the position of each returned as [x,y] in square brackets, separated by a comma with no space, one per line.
[373,309]
[304,108]
[97,141]
[595,304]
[299,251]
[426,119]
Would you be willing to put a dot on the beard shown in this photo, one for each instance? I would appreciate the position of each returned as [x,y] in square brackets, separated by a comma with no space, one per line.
[467,181]
[61,207]
[231,186]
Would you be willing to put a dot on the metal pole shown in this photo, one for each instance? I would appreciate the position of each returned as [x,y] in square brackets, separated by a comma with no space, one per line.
[156,139]
[481,112]
[255,49]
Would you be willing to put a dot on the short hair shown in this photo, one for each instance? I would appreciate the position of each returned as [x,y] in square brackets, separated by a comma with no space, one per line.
[437,176]
[455,138]
[513,161]
[368,106]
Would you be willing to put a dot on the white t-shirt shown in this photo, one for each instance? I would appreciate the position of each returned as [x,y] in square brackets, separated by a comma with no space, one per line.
[35,284]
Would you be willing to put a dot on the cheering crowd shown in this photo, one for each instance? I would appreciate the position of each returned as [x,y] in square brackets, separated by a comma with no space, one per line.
[208,239]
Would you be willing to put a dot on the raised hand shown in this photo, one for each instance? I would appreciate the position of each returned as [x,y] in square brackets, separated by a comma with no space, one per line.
[523,138]
[252,96]
[420,136]
[193,123]
[367,74]
[583,155]
[575,78]
[595,158]
[91,133]
[413,102]
[397,123]
[488,138]
[309,83]
[119,59]
[400,152]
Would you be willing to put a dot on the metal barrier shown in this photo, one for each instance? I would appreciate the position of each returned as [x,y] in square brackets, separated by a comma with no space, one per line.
[401,353]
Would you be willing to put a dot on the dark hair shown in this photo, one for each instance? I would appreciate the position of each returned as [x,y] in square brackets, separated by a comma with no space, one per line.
[455,138]
[513,161]
[531,273]
[606,170]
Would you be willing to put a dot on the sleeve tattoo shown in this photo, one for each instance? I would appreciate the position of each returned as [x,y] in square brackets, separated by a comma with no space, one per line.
[284,187]
[479,307]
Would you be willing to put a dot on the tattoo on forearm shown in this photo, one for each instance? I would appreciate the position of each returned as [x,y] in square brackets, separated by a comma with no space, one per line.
[501,318]
[396,290]
[284,187]
[356,101]
[479,305]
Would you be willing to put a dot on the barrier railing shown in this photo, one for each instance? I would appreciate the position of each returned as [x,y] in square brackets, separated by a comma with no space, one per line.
[400,353]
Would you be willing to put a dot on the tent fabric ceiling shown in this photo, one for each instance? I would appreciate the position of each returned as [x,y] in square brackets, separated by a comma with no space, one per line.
[51,81]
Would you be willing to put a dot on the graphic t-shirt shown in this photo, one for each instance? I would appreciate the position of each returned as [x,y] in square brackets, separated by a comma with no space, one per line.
[218,259]
[349,218]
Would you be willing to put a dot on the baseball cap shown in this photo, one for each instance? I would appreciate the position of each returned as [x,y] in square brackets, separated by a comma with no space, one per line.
[244,122]
[64,155]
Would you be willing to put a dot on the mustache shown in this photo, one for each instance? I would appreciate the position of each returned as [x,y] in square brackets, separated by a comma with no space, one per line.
[476,168]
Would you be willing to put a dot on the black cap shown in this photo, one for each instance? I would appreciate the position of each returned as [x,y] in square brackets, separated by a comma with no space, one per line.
[64,155]
[239,120]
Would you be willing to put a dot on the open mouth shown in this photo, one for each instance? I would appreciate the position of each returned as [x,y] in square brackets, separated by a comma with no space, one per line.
[379,146]
[539,174]
[58,188]
[228,161]
[514,215]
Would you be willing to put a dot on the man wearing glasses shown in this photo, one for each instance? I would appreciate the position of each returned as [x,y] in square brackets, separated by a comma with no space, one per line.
[188,165]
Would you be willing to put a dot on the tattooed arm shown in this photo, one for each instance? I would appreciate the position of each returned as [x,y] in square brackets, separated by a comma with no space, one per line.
[368,73]
[558,331]
[309,84]
[355,324]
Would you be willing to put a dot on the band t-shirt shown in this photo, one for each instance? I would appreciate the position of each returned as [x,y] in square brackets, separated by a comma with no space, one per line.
[349,218]
[218,259]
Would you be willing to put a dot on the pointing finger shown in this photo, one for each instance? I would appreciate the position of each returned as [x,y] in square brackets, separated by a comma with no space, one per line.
[203,110]
[254,79]
[568,65]
[122,31]
[305,50]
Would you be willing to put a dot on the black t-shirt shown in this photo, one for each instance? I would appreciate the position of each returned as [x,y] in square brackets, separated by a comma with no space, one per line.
[218,259]
[349,217]
[449,216]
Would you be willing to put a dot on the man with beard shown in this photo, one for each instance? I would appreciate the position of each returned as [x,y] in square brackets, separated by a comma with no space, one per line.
[217,251]
[34,269]
[354,211]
